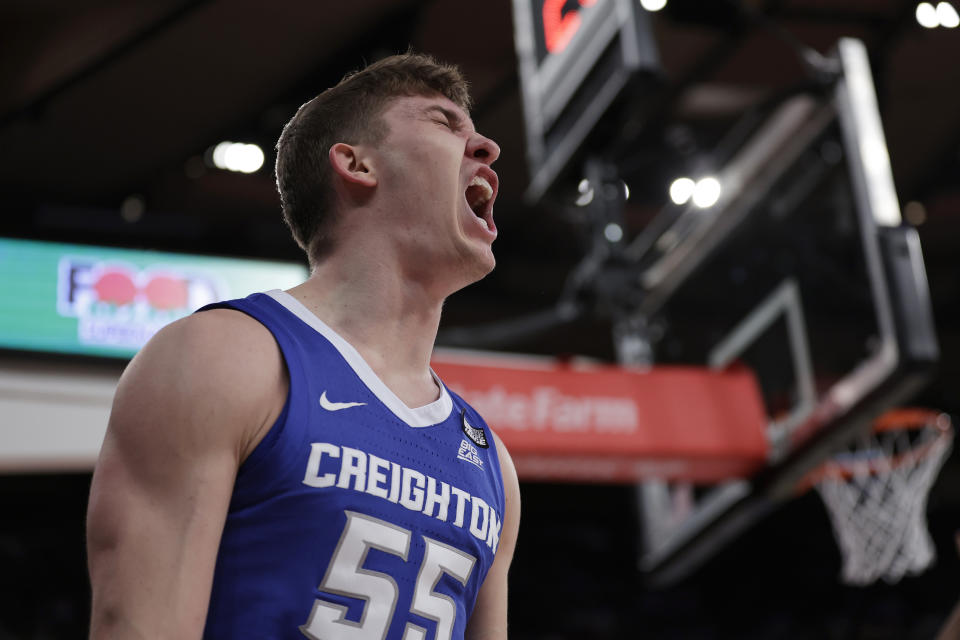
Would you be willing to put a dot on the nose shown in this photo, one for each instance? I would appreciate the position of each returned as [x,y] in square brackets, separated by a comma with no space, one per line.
[483,148]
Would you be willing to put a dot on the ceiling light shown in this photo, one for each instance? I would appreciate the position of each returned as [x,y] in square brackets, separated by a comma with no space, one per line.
[613,232]
[947,15]
[585,191]
[915,213]
[927,16]
[681,189]
[237,156]
[706,192]
[132,208]
[653,5]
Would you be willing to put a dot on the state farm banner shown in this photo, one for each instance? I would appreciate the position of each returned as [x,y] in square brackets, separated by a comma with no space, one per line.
[610,424]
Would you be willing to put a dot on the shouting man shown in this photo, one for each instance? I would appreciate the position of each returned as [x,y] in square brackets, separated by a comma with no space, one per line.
[288,465]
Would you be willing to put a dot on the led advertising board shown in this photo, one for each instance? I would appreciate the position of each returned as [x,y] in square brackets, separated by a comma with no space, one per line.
[101,301]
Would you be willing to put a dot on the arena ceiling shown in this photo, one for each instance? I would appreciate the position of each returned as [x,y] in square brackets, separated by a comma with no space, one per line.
[108,102]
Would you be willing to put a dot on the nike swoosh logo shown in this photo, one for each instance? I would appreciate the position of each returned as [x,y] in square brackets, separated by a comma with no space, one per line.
[337,406]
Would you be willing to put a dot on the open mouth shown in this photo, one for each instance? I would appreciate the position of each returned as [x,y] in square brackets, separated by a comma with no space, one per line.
[479,194]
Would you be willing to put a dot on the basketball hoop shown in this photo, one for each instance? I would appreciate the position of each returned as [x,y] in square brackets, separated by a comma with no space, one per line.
[876,495]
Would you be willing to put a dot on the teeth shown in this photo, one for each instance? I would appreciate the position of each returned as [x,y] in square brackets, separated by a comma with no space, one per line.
[484,193]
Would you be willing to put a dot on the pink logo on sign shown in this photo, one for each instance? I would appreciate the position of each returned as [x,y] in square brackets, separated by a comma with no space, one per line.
[119,304]
[161,292]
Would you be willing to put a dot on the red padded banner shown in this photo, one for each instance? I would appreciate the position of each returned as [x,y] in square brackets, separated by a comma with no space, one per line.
[609,424]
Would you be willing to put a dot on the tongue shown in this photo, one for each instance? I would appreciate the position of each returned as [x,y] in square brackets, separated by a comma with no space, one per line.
[475,198]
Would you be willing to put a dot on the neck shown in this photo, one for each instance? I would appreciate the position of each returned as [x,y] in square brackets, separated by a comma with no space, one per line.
[390,319]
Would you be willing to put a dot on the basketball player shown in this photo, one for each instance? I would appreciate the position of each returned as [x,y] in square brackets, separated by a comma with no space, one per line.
[287,465]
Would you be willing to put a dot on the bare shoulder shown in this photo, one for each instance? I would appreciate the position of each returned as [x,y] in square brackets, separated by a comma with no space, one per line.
[511,485]
[229,335]
[489,618]
[511,489]
[219,369]
[188,409]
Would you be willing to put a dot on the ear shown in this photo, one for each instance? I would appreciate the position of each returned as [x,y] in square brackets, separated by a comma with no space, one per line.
[351,165]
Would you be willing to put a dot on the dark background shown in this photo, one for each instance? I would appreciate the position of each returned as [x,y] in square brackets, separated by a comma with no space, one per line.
[105,101]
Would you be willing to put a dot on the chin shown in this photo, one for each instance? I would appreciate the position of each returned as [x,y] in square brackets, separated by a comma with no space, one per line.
[485,262]
[475,267]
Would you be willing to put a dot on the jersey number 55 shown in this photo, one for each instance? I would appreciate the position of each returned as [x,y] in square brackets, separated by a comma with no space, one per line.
[346,576]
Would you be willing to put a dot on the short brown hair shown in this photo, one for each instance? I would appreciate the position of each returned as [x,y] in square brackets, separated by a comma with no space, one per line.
[348,112]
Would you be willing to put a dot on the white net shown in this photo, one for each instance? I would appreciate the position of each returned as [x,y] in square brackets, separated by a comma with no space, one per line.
[876,496]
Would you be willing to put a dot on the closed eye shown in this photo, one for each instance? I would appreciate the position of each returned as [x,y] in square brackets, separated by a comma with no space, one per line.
[447,118]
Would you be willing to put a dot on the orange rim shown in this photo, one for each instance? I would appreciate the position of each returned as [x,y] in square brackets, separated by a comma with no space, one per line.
[902,419]
[911,418]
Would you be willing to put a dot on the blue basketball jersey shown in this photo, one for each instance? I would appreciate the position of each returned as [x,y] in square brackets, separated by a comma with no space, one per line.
[356,516]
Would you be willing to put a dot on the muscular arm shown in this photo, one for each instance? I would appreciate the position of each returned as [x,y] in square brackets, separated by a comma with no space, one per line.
[489,619]
[187,411]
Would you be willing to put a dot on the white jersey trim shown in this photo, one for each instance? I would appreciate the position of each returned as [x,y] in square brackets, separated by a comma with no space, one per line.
[425,416]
